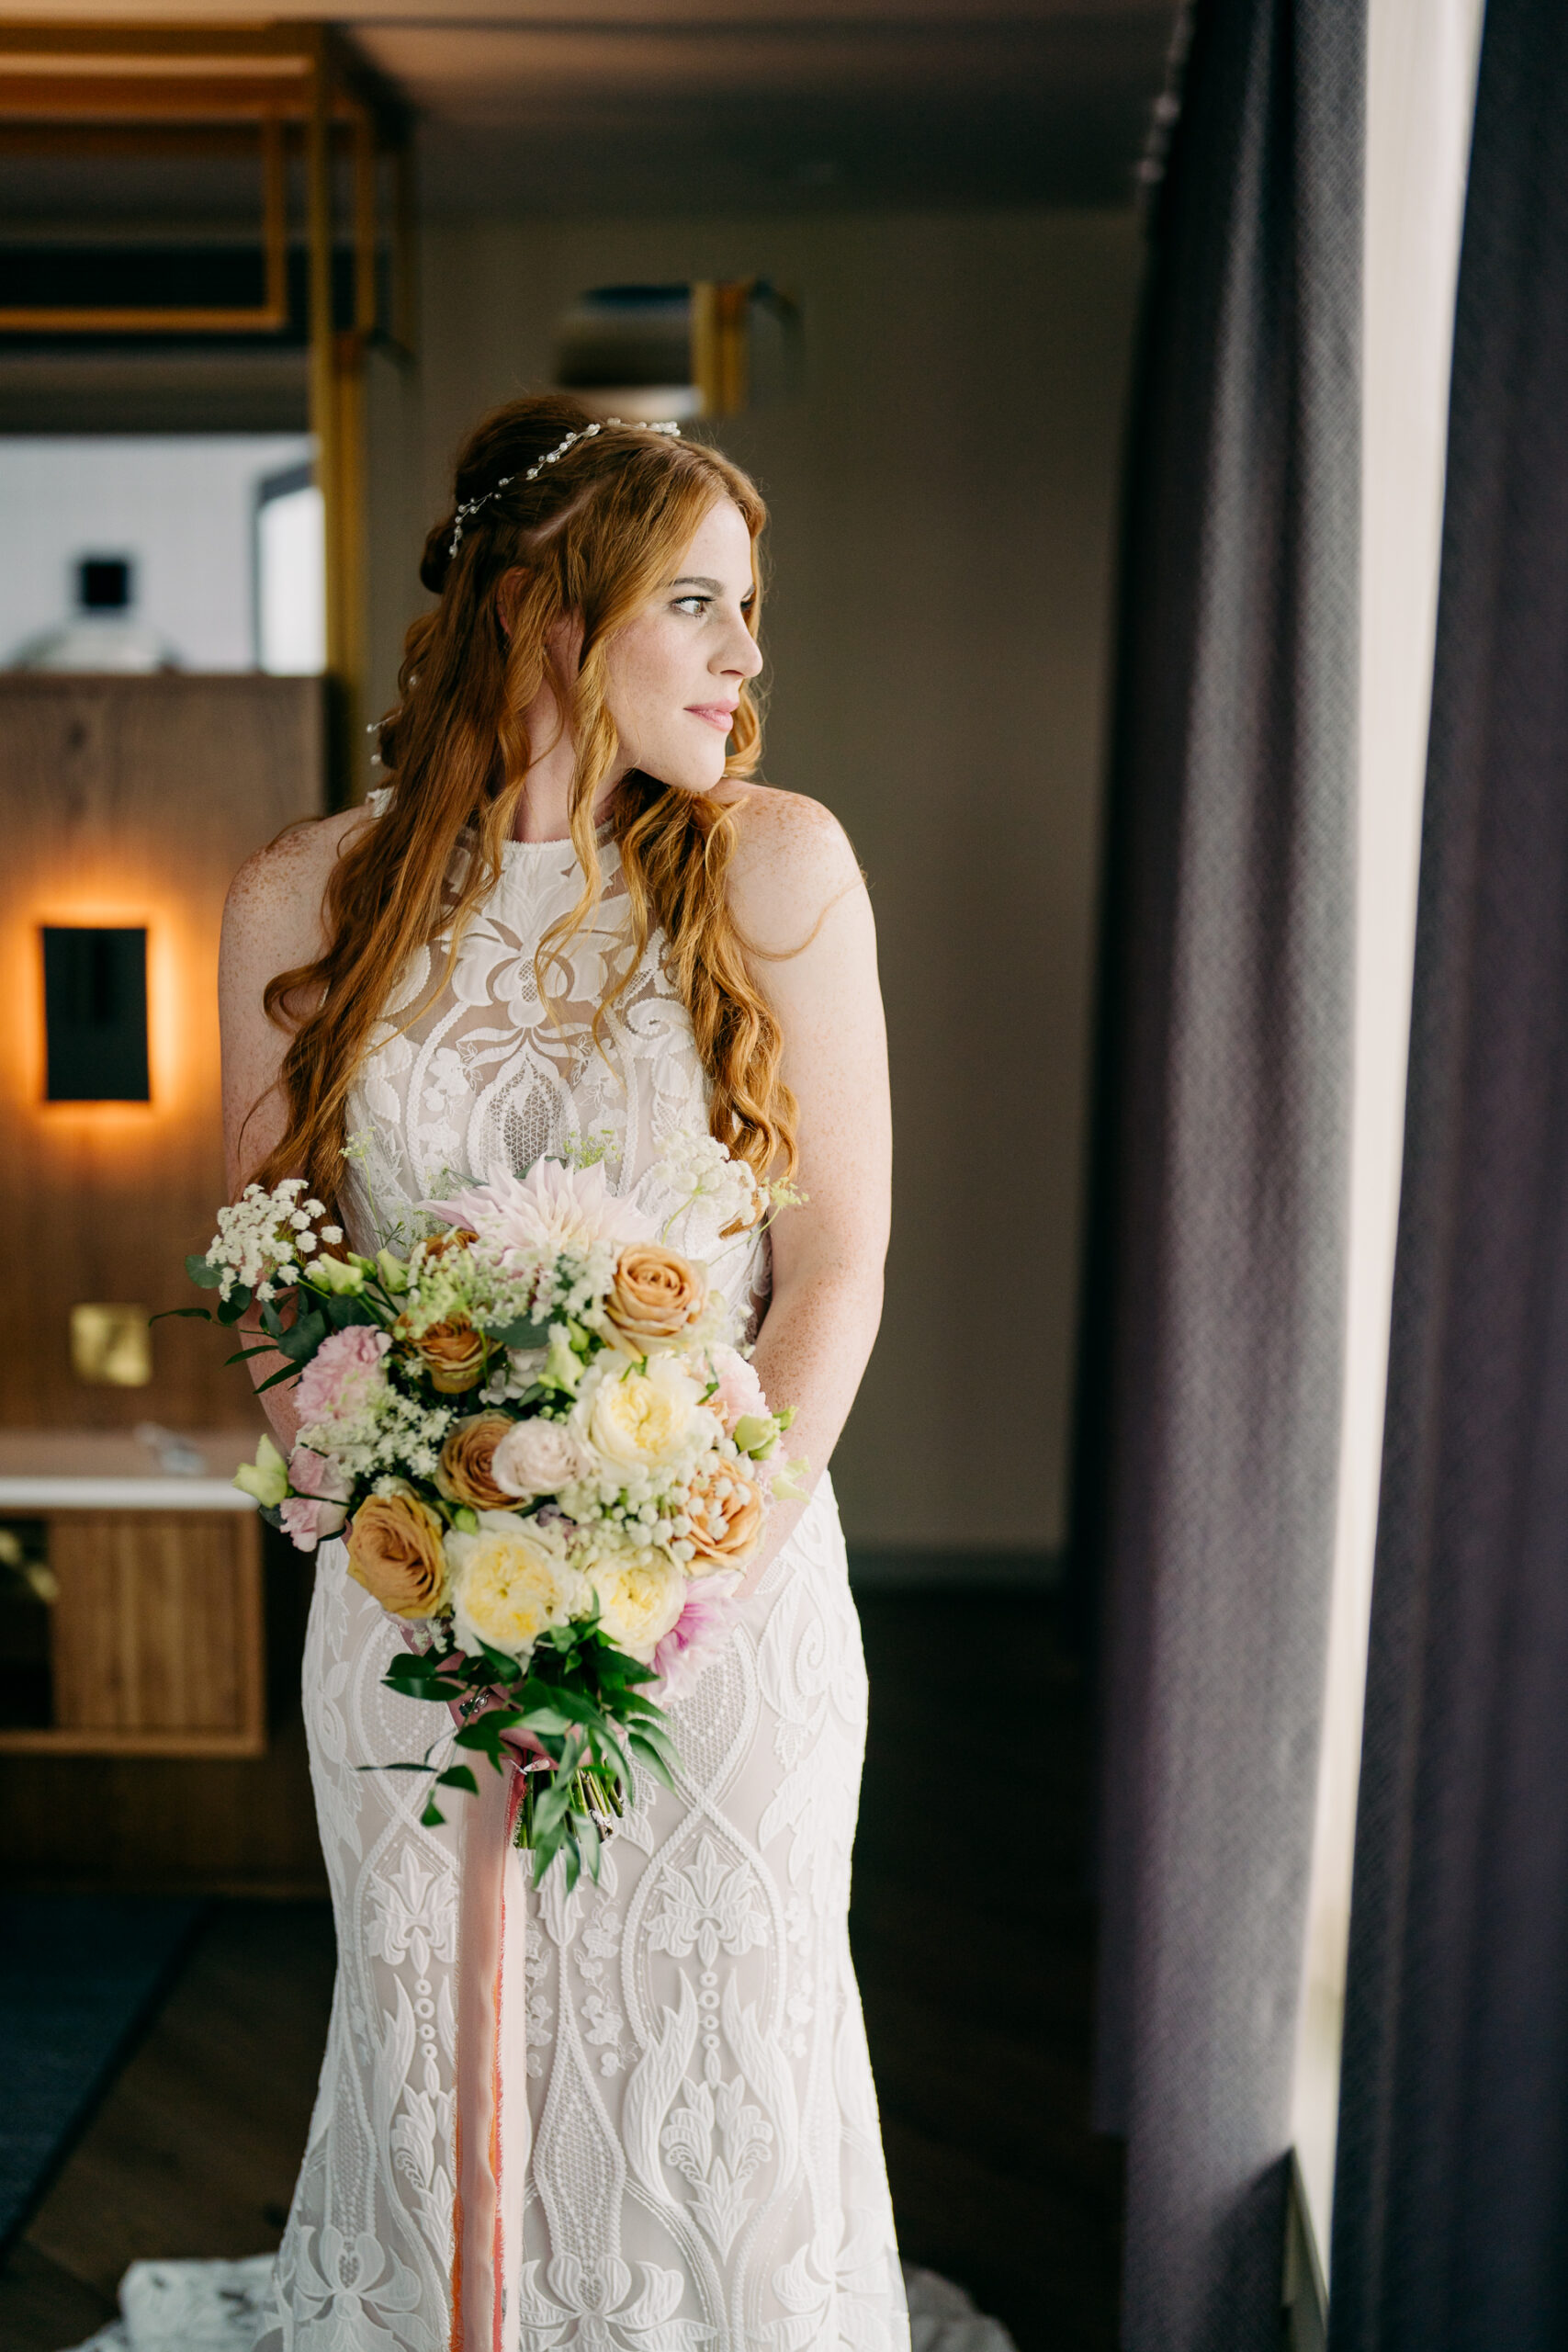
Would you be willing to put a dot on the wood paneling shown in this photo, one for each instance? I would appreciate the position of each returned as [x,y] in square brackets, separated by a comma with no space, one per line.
[128,800]
[163,1825]
[156,1634]
[212,1823]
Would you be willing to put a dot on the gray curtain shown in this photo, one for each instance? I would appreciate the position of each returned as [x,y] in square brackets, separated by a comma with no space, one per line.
[1210,1383]
[1450,2231]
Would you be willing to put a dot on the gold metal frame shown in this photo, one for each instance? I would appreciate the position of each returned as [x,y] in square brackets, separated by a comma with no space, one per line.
[264,317]
[106,89]
[719,354]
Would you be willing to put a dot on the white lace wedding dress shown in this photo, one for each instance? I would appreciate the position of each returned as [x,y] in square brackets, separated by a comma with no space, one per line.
[701,2164]
[678,2136]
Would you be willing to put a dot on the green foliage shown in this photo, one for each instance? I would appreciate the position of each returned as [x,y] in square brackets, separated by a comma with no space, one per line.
[582,1702]
[521,1334]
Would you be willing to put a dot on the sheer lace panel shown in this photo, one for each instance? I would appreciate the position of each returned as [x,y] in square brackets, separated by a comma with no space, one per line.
[488,1077]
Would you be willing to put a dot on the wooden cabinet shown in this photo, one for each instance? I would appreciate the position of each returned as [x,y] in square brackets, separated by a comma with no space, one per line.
[151,1735]
[156,1635]
[143,1594]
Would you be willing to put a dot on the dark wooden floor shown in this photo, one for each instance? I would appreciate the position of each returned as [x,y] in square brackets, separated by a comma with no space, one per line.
[196,2148]
[972,1934]
[972,1940]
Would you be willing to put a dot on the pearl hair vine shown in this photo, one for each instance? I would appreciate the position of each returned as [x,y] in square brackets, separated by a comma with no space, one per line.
[585,433]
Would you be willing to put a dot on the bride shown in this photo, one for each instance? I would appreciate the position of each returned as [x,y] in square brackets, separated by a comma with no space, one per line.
[640,2118]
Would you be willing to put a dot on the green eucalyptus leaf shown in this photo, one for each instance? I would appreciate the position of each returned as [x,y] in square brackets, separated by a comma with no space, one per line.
[520,1334]
[649,1757]
[546,1720]
[506,1669]
[483,1734]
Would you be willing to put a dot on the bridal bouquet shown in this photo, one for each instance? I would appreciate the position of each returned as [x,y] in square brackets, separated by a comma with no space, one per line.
[544,1456]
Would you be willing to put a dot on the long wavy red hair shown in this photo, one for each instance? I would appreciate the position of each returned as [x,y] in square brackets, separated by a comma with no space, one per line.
[589,540]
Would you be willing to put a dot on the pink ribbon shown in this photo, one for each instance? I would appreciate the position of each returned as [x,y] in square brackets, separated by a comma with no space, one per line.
[490,2128]
[492,2124]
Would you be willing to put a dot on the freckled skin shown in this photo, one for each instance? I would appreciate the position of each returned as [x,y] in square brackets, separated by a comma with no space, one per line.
[793,880]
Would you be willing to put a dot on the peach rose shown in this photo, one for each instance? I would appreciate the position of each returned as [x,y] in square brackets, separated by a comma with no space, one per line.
[725,1514]
[453,1354]
[395,1552]
[463,1474]
[654,1298]
[442,1245]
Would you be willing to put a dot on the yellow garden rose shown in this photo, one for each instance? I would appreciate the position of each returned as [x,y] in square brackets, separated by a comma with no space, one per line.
[640,1421]
[509,1582]
[640,1592]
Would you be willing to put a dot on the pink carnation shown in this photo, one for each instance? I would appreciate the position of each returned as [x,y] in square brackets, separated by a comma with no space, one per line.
[698,1633]
[309,1521]
[314,1474]
[740,1391]
[342,1376]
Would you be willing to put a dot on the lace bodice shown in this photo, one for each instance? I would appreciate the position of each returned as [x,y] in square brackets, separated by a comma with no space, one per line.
[484,1079]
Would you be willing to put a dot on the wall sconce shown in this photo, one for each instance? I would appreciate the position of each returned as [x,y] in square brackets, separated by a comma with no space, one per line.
[95,1010]
[708,347]
[111,1347]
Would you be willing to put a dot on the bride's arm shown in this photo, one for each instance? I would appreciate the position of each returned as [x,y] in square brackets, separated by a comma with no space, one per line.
[794,878]
[271,923]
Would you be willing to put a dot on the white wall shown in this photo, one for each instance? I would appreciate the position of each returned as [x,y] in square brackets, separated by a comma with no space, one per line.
[181,507]
[943,493]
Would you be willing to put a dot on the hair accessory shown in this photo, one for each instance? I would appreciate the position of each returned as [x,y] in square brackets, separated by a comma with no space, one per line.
[586,433]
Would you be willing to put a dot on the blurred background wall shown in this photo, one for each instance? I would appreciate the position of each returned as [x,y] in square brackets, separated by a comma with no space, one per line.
[940,447]
[942,478]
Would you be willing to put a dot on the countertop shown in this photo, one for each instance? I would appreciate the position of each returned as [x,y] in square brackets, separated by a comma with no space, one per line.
[117,1470]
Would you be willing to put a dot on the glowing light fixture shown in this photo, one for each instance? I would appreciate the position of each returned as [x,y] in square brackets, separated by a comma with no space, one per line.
[95,997]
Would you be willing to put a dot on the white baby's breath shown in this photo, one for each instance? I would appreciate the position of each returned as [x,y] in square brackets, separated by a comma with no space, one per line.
[259,1239]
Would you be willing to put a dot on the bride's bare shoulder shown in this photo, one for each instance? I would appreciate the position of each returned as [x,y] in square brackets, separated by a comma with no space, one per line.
[274,899]
[793,861]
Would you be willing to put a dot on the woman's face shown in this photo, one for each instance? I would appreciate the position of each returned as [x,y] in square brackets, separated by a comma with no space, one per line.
[675,672]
